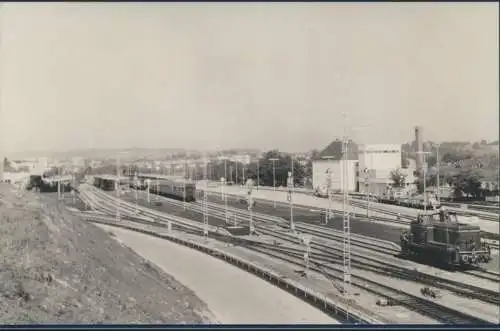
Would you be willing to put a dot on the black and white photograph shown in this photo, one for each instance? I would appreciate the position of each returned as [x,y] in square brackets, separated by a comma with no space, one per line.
[249,163]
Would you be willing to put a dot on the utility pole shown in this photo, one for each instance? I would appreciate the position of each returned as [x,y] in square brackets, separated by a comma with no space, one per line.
[367,185]
[329,193]
[118,188]
[438,175]
[424,171]
[205,200]
[184,186]
[274,180]
[258,175]
[290,198]
[136,182]
[346,220]
[74,186]
[329,189]
[250,206]
[236,165]
[148,187]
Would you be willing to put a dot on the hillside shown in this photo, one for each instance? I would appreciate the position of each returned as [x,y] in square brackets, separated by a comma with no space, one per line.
[57,268]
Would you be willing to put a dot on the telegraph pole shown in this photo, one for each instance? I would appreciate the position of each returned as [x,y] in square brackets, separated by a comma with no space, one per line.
[258,176]
[274,180]
[290,199]
[184,185]
[74,186]
[346,220]
[329,193]
[205,200]
[148,183]
[329,190]
[118,188]
[424,171]
[437,179]
[367,195]
[250,206]
[236,165]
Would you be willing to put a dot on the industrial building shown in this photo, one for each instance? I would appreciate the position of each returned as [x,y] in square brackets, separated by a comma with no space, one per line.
[330,159]
[376,162]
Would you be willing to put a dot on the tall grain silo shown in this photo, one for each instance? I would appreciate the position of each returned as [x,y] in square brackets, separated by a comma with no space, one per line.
[420,147]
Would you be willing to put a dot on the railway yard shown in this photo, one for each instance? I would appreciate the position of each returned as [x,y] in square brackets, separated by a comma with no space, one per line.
[385,288]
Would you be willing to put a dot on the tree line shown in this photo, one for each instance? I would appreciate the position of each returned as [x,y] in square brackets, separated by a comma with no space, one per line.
[260,170]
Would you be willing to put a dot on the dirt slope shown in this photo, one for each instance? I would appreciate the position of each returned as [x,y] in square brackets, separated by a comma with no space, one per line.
[56,268]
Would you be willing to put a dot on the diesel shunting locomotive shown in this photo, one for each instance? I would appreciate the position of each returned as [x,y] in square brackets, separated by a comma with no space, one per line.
[437,237]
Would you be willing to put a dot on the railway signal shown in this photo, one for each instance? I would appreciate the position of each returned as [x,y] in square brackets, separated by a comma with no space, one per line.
[250,185]
[290,194]
[223,183]
[329,192]
[274,180]
[424,170]
[205,200]
[148,187]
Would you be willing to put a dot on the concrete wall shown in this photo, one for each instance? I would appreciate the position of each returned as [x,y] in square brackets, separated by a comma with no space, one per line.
[320,176]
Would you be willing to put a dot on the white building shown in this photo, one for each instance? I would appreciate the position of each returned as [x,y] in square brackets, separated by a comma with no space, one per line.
[244,159]
[320,175]
[376,162]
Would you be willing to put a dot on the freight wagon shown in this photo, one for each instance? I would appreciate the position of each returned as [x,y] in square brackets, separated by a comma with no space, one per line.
[437,238]
[178,189]
[105,183]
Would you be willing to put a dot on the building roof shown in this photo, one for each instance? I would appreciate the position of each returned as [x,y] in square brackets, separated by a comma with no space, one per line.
[335,150]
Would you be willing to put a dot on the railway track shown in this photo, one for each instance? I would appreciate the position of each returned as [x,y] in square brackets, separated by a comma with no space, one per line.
[391,269]
[370,243]
[423,306]
[428,308]
[324,252]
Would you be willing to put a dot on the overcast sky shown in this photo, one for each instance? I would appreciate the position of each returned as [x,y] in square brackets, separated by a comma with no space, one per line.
[90,75]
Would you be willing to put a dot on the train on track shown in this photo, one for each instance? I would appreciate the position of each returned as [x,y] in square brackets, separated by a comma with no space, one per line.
[43,184]
[409,203]
[175,188]
[437,238]
[104,183]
